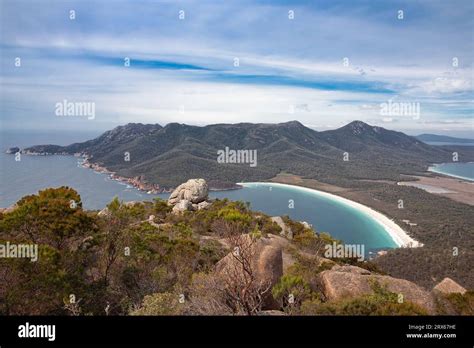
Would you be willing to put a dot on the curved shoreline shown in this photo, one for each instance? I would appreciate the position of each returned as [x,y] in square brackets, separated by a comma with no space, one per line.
[398,235]
[432,169]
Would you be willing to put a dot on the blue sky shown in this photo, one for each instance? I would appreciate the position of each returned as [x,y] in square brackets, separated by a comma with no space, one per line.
[334,62]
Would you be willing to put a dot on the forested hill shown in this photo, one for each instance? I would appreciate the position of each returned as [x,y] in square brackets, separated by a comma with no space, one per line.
[172,154]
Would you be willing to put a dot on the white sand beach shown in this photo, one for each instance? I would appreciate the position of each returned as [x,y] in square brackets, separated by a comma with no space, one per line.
[399,236]
[435,169]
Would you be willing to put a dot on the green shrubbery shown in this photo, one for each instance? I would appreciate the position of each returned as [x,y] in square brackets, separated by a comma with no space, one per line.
[54,220]
[108,262]
[456,304]
[161,208]
[291,291]
[160,304]
[365,305]
[120,262]
[380,302]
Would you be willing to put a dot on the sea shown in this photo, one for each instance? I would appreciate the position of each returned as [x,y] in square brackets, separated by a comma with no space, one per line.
[458,170]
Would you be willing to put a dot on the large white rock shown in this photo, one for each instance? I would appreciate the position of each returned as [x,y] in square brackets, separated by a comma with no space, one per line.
[194,191]
[182,206]
[203,205]
[449,286]
[265,259]
[9,209]
[350,281]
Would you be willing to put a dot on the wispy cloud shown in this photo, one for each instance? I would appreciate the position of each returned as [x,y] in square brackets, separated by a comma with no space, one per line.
[237,61]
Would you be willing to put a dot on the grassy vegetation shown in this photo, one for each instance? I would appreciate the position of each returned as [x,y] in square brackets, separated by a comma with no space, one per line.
[116,262]
[443,226]
[381,302]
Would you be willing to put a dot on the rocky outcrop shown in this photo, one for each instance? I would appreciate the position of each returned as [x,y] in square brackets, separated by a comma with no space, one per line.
[133,203]
[193,190]
[12,150]
[449,286]
[285,230]
[266,263]
[192,195]
[350,281]
[202,205]
[139,182]
[142,184]
[9,209]
[182,206]
[106,212]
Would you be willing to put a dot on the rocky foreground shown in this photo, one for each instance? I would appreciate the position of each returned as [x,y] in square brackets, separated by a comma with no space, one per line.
[271,258]
[193,256]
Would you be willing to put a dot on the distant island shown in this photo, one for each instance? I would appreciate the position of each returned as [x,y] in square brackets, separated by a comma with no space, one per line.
[443,139]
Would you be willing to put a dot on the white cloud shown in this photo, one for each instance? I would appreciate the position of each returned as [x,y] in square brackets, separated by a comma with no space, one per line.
[447,85]
[404,57]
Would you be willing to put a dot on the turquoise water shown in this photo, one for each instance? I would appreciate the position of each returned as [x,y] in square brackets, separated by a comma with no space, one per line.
[34,173]
[325,214]
[458,170]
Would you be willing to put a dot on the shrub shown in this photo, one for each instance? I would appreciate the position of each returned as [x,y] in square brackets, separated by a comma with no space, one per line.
[161,208]
[291,291]
[380,302]
[233,215]
[457,304]
[160,304]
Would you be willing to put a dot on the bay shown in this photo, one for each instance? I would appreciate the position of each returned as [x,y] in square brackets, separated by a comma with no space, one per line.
[463,171]
[34,173]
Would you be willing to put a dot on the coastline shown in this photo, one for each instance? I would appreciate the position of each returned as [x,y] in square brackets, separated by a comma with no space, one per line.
[398,235]
[137,182]
[432,169]
[450,187]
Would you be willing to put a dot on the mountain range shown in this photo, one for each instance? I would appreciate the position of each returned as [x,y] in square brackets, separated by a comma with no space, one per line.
[170,155]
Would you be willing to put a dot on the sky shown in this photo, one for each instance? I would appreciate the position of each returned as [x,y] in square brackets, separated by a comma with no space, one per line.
[404,65]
